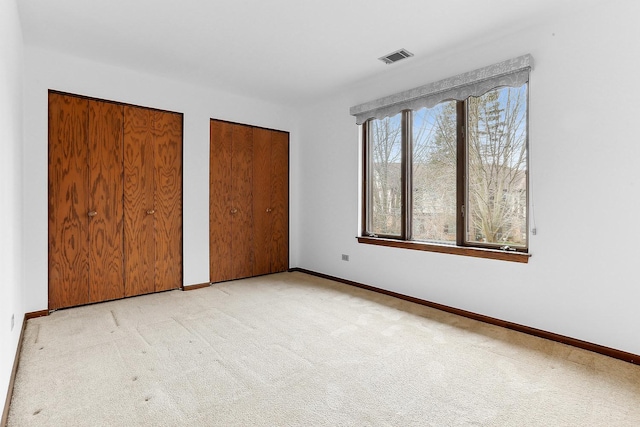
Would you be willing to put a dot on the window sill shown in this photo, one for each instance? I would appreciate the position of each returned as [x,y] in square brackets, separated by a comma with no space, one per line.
[446,249]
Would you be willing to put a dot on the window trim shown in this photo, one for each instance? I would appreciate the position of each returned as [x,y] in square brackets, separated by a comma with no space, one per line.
[476,252]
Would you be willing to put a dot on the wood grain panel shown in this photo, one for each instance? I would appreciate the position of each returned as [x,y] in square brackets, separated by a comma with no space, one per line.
[220,201]
[106,232]
[139,246]
[241,190]
[262,208]
[280,202]
[68,201]
[167,131]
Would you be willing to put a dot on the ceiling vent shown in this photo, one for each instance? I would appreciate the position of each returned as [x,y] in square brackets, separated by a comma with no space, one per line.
[396,56]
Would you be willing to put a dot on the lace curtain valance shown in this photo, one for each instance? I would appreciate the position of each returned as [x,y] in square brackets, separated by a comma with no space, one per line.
[513,72]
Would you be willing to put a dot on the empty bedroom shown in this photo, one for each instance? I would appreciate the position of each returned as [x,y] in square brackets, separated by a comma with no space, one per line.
[339,213]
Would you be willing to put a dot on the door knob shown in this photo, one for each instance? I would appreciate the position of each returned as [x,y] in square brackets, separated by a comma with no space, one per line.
[234,211]
[151,211]
[269,209]
[92,213]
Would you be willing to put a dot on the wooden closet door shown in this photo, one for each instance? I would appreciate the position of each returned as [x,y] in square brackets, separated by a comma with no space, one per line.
[68,201]
[279,250]
[271,201]
[249,201]
[242,228]
[262,207]
[167,132]
[220,201]
[139,163]
[106,279]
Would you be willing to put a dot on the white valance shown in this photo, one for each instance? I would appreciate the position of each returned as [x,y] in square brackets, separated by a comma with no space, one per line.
[513,72]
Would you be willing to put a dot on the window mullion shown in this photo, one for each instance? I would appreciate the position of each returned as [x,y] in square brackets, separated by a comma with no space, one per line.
[407,179]
[367,202]
[461,172]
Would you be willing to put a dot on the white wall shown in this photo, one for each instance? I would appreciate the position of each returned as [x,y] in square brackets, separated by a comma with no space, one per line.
[11,266]
[51,70]
[581,279]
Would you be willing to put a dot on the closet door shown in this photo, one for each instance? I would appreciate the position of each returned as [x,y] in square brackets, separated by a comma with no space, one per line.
[85,201]
[220,201]
[249,201]
[242,228]
[139,202]
[271,201]
[279,249]
[167,207]
[115,200]
[68,201]
[231,207]
[105,214]
[152,200]
[231,227]
[262,207]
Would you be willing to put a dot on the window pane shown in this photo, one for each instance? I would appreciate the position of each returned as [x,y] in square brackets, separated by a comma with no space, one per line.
[434,173]
[385,185]
[497,167]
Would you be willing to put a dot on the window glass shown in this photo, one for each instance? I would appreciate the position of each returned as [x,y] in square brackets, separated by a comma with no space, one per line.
[434,173]
[454,174]
[497,167]
[385,178]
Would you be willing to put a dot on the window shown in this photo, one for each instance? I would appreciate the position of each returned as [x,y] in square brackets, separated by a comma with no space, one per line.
[496,166]
[451,176]
[385,196]
[433,173]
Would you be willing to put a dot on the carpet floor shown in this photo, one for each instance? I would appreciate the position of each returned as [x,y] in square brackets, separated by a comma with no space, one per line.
[295,350]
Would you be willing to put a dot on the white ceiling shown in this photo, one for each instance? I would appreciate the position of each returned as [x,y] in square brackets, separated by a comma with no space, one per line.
[284,51]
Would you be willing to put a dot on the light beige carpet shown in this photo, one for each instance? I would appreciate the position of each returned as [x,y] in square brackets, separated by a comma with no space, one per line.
[295,350]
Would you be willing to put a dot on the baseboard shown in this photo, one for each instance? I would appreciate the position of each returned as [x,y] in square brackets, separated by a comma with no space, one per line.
[198,286]
[607,351]
[16,362]
[34,314]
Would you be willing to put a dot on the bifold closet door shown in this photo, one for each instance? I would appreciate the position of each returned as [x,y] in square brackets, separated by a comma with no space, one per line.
[167,137]
[220,201]
[270,201]
[152,200]
[249,201]
[85,201]
[139,201]
[279,249]
[68,201]
[230,202]
[106,252]
[242,227]
[115,200]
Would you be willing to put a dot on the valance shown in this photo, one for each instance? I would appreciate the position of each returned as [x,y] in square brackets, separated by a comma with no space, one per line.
[513,72]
